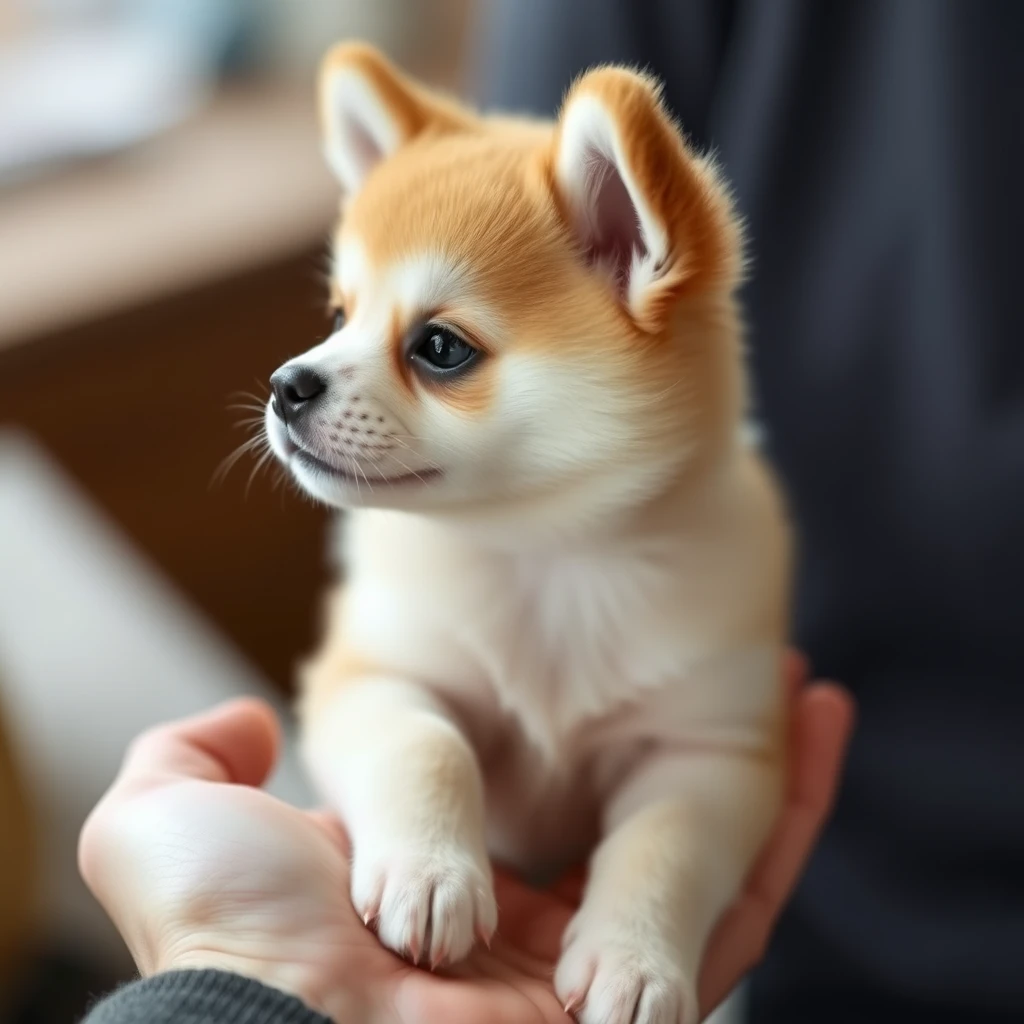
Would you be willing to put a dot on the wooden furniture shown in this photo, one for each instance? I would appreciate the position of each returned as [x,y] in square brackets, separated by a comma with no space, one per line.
[138,297]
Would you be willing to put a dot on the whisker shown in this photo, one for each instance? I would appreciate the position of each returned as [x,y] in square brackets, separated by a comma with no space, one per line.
[228,463]
[259,407]
[260,463]
[248,400]
[350,465]
[411,472]
[375,461]
[360,469]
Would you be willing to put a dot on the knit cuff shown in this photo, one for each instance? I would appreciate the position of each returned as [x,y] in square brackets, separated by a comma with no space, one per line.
[201,997]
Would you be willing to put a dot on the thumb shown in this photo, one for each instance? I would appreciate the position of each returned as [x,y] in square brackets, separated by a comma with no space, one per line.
[235,742]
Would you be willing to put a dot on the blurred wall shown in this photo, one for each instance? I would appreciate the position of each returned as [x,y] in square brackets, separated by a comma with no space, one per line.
[151,284]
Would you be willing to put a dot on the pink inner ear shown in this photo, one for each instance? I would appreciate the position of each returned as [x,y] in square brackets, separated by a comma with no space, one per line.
[611,234]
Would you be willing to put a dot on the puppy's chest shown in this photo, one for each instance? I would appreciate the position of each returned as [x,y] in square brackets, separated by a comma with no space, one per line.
[577,639]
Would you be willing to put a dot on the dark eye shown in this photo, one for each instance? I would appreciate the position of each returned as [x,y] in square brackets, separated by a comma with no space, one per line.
[442,349]
[339,321]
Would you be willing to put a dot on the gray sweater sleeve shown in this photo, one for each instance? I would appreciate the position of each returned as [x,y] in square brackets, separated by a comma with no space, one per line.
[201,997]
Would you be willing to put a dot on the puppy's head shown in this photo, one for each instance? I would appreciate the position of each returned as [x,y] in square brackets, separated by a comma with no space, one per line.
[532,320]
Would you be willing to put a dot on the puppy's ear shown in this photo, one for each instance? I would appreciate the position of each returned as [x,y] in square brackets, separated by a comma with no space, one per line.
[642,208]
[369,109]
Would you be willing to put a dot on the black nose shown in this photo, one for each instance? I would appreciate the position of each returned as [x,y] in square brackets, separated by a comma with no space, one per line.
[294,388]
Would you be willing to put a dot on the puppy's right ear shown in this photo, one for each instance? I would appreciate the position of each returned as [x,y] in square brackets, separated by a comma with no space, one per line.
[369,109]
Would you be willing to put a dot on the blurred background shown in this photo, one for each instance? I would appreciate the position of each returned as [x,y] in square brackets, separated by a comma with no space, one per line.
[164,212]
[163,221]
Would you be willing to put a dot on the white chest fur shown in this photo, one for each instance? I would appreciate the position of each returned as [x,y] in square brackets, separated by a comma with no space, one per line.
[583,634]
[671,623]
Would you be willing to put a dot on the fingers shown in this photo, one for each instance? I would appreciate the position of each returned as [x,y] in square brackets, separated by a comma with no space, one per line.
[823,718]
[822,727]
[822,723]
[234,742]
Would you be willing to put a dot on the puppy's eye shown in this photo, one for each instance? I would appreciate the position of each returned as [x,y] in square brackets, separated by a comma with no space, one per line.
[339,321]
[441,349]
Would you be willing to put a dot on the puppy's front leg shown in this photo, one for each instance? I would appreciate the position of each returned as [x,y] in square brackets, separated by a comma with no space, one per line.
[406,782]
[681,833]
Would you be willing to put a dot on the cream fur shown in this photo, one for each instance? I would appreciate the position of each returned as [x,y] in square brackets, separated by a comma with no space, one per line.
[566,578]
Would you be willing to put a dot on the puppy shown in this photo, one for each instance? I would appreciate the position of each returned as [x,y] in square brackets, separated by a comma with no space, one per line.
[565,571]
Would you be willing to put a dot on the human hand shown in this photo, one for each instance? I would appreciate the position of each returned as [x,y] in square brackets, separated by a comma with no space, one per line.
[199,869]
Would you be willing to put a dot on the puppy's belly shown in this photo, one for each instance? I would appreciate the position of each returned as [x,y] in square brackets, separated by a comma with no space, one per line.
[541,817]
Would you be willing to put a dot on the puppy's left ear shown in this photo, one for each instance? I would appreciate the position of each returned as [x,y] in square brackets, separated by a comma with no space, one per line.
[643,209]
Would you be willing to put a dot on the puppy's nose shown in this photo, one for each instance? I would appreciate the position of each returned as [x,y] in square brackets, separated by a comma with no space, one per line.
[294,388]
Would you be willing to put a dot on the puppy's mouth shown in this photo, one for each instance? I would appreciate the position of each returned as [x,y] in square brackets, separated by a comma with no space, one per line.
[355,475]
[360,477]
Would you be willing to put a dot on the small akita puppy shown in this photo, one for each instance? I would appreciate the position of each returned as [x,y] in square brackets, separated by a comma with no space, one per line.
[565,570]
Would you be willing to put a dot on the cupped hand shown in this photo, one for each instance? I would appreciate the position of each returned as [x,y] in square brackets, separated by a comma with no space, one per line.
[199,868]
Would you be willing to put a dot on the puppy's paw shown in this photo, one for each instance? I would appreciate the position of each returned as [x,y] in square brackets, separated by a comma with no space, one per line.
[612,973]
[430,904]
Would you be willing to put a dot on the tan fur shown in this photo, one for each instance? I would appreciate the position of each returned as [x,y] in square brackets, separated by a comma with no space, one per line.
[485,197]
[562,630]
[684,191]
[415,109]
[322,676]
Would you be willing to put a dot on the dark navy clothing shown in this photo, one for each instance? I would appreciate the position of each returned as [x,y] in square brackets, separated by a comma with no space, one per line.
[876,148]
